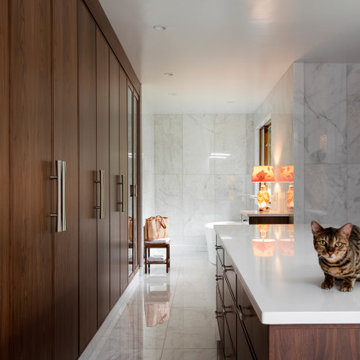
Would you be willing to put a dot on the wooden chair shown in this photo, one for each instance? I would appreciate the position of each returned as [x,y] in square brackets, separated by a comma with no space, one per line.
[157,244]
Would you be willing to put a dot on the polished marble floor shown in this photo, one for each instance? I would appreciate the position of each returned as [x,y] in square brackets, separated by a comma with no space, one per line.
[166,316]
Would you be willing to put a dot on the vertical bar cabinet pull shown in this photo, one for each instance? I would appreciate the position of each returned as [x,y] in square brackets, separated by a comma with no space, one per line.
[100,195]
[121,183]
[63,196]
[58,178]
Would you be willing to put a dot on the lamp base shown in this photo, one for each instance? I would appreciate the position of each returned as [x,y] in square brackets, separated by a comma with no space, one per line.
[263,198]
[290,197]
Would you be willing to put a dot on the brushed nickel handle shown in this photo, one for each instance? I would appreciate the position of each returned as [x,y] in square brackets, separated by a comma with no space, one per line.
[100,195]
[227,268]
[239,312]
[228,309]
[58,178]
[219,314]
[121,183]
[63,196]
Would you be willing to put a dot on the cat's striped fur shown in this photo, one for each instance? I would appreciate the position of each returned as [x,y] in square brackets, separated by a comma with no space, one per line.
[339,254]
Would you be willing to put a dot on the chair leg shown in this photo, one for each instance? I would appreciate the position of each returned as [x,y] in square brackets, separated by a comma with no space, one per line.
[146,261]
[167,258]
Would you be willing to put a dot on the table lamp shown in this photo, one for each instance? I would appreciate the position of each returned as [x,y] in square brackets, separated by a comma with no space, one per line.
[263,174]
[287,175]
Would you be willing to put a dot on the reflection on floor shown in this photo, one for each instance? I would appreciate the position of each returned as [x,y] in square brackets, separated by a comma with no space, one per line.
[167,316]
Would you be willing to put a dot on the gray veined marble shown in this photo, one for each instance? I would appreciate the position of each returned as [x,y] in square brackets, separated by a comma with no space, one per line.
[188,185]
[353,193]
[325,193]
[198,143]
[199,203]
[230,138]
[168,144]
[325,113]
[353,113]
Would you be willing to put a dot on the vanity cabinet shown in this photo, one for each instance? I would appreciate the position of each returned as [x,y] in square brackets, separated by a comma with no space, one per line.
[234,312]
[244,336]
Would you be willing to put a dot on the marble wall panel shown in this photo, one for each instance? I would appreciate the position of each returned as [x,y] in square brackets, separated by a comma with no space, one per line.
[168,144]
[230,138]
[198,144]
[298,138]
[325,193]
[148,166]
[231,196]
[353,113]
[250,146]
[199,203]
[189,187]
[353,194]
[325,113]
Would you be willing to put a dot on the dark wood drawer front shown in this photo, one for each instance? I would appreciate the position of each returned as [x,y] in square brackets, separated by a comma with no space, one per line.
[257,331]
[219,277]
[230,316]
[229,349]
[230,274]
[243,350]
[220,314]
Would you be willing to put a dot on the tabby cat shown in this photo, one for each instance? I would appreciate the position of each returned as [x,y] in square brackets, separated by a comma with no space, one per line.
[339,254]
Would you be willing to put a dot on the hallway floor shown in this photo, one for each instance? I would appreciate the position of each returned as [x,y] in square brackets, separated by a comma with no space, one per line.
[166,316]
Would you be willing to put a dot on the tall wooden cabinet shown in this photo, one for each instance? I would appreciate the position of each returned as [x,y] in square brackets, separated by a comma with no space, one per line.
[64,222]
[87,177]
[65,147]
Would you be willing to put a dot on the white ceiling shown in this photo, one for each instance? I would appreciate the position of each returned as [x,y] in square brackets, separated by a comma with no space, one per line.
[226,55]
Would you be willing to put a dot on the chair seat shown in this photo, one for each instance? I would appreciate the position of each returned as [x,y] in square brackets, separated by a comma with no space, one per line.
[158,241]
[163,243]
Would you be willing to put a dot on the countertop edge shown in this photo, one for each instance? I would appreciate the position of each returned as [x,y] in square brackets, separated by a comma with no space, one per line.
[293,318]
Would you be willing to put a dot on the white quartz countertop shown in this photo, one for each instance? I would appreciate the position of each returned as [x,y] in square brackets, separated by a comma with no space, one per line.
[280,273]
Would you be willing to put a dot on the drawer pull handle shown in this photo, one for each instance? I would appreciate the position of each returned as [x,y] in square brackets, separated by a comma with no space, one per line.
[218,247]
[228,309]
[219,314]
[219,277]
[228,268]
[239,313]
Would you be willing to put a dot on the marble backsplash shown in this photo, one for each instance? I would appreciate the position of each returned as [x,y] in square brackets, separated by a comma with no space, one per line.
[190,187]
[327,111]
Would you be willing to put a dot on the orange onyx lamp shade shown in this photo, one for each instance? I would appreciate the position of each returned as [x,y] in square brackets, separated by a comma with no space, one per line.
[287,175]
[262,174]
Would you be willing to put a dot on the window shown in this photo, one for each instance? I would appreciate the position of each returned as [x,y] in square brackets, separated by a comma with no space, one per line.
[265,144]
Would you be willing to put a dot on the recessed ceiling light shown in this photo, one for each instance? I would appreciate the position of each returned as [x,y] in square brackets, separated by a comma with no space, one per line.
[169,74]
[159,27]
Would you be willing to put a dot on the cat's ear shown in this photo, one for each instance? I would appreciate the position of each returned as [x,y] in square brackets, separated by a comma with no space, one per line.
[345,230]
[316,228]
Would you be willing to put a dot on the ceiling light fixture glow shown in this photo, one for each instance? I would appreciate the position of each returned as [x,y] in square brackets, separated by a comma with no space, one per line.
[159,27]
